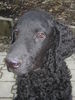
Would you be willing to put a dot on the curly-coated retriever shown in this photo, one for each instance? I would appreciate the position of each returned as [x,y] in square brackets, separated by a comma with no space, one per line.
[39,46]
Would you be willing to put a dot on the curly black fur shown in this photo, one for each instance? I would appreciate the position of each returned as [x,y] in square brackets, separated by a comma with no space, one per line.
[52,80]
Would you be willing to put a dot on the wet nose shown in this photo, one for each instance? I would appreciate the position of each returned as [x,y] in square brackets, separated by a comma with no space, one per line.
[12,63]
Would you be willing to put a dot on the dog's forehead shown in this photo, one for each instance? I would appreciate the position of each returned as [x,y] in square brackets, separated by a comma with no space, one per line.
[33,22]
[31,27]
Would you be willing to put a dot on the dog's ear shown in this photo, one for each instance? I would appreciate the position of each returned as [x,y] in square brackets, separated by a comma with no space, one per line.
[65,40]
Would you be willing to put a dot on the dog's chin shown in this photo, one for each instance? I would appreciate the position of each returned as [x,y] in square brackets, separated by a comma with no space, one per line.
[17,71]
[21,71]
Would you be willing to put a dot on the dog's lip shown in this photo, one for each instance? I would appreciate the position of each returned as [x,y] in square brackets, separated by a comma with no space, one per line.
[9,69]
[16,66]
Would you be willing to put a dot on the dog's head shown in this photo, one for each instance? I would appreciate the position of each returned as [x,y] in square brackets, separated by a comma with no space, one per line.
[33,35]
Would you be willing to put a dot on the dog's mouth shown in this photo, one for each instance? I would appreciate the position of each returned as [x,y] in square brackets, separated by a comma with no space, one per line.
[20,71]
[13,70]
[9,69]
[23,67]
[17,71]
[12,66]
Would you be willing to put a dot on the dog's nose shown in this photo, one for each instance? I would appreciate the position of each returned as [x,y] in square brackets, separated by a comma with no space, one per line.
[12,63]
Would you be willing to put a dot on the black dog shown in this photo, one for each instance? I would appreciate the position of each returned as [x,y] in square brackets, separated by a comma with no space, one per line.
[39,46]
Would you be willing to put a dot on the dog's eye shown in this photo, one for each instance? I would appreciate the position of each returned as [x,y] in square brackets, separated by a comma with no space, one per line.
[14,35]
[39,36]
